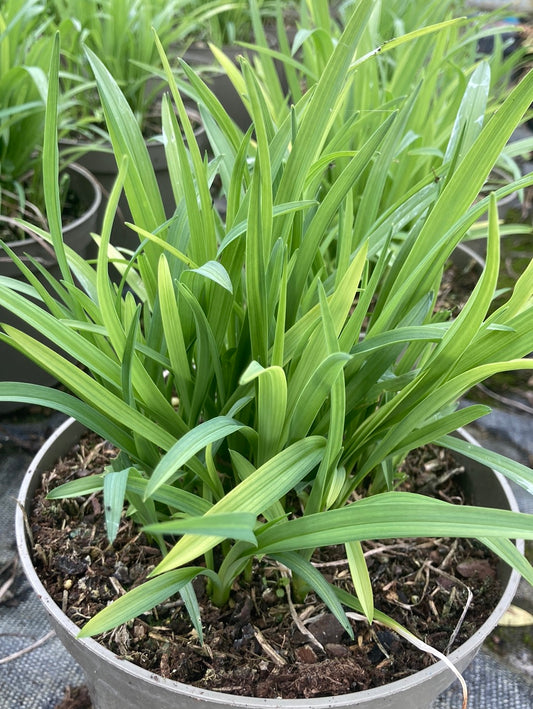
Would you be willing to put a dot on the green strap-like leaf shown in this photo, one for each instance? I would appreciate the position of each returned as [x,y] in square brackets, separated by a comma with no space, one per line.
[319,114]
[62,335]
[198,198]
[141,188]
[232,525]
[340,302]
[208,360]
[512,469]
[114,490]
[464,328]
[139,600]
[360,577]
[271,407]
[50,162]
[314,393]
[100,398]
[328,208]
[173,332]
[215,272]
[390,515]
[469,120]
[78,487]
[255,270]
[256,493]
[188,446]
[428,256]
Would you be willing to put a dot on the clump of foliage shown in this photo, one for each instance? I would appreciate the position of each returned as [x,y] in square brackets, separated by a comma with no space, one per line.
[259,373]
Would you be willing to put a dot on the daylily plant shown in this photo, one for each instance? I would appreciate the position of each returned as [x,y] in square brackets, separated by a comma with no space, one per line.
[258,371]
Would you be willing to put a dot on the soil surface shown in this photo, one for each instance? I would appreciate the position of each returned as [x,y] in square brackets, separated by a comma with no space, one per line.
[265,643]
[456,287]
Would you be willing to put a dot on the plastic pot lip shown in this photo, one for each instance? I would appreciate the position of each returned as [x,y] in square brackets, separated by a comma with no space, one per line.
[87,215]
[97,197]
[471,254]
[103,153]
[345,700]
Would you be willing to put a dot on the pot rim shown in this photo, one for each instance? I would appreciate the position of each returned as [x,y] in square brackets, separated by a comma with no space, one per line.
[87,214]
[74,428]
[472,254]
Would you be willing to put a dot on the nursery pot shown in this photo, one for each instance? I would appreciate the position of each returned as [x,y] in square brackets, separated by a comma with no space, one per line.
[115,683]
[77,235]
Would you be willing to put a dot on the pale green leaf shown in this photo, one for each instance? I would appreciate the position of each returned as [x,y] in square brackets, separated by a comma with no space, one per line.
[216,273]
[188,446]
[115,483]
[231,525]
[139,600]
[255,494]
[360,577]
[390,515]
[512,469]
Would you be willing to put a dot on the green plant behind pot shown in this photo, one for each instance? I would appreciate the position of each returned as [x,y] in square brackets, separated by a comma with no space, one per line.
[120,33]
[233,21]
[242,431]
[439,72]
[24,59]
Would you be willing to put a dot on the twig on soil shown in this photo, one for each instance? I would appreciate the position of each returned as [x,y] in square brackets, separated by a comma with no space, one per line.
[460,621]
[421,645]
[447,560]
[469,598]
[381,549]
[297,621]
[268,649]
[30,648]
[384,548]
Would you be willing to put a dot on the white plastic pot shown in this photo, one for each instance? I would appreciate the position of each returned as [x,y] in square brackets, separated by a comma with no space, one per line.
[115,683]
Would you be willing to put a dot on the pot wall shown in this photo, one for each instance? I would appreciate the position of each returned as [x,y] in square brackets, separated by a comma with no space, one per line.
[465,257]
[114,683]
[77,235]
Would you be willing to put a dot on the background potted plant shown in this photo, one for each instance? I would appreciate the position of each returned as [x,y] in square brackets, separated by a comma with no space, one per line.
[436,72]
[121,34]
[23,94]
[226,323]
[240,30]
[441,72]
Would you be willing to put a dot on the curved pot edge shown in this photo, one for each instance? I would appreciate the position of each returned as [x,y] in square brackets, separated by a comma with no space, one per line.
[97,198]
[66,435]
[463,253]
[87,215]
